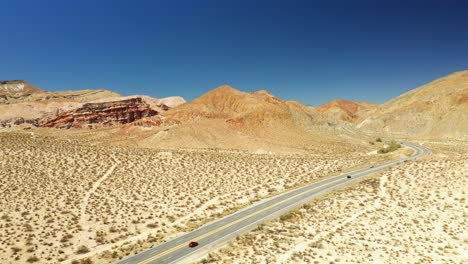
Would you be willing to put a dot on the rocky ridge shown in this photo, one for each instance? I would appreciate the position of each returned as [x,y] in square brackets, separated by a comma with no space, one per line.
[24,104]
[16,89]
[92,115]
[346,110]
[437,110]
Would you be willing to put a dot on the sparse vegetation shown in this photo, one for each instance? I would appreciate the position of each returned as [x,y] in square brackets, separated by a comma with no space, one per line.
[98,196]
[392,146]
[82,249]
[32,259]
[288,216]
[403,208]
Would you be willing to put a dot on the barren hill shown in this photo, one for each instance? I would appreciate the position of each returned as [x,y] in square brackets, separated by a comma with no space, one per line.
[345,110]
[112,111]
[254,112]
[23,103]
[16,89]
[20,103]
[227,118]
[437,110]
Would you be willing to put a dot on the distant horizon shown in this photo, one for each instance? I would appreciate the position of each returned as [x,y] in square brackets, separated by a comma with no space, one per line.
[310,52]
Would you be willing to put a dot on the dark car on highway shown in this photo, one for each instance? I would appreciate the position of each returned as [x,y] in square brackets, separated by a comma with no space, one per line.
[192,244]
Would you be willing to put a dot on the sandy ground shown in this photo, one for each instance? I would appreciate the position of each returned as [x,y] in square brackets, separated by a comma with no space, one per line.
[61,200]
[414,213]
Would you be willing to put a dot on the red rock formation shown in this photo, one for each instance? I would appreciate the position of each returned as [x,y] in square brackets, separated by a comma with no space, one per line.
[103,114]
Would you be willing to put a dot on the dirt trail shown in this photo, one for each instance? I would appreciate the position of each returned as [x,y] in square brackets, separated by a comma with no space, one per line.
[84,204]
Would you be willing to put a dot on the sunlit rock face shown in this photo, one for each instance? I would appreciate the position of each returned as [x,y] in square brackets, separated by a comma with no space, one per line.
[103,114]
[16,89]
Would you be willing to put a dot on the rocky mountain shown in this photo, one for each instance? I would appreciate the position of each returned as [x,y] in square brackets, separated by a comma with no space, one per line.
[22,103]
[156,103]
[246,111]
[345,110]
[16,89]
[437,110]
[228,118]
[63,96]
[231,119]
[30,105]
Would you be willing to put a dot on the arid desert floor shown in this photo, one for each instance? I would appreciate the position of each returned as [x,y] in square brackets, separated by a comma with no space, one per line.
[413,213]
[62,201]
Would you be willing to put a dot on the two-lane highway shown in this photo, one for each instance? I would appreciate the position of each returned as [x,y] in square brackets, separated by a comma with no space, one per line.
[220,231]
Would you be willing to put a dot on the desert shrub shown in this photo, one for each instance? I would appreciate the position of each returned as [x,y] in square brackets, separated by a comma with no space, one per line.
[66,238]
[392,146]
[287,216]
[15,250]
[86,261]
[152,225]
[32,259]
[82,249]
[378,140]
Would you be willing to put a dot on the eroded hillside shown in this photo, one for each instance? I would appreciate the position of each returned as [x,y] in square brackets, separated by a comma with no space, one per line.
[437,110]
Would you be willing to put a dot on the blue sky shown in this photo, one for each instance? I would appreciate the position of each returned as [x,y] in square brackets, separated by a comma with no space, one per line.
[309,51]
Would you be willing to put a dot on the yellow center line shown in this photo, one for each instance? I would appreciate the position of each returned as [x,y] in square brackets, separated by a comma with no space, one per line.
[232,223]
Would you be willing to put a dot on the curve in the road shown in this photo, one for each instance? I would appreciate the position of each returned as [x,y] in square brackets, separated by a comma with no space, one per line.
[220,231]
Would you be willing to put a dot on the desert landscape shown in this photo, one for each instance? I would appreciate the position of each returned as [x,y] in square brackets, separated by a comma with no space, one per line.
[98,177]
[414,213]
[262,132]
[106,202]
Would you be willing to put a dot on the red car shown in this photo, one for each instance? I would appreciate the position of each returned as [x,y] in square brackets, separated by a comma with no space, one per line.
[192,244]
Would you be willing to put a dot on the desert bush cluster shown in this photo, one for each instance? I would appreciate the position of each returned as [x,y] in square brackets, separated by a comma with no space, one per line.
[392,146]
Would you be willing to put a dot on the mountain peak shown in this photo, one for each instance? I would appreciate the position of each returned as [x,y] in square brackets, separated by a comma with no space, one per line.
[225,89]
[344,109]
[263,92]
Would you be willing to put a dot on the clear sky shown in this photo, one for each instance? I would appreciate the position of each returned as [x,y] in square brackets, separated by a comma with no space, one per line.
[309,51]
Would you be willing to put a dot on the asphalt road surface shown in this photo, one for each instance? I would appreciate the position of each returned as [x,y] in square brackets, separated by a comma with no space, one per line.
[217,233]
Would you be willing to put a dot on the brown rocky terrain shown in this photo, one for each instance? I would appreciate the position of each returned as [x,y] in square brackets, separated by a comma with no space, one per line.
[23,104]
[103,114]
[345,110]
[32,108]
[224,118]
[19,91]
[16,89]
[437,110]
[228,118]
